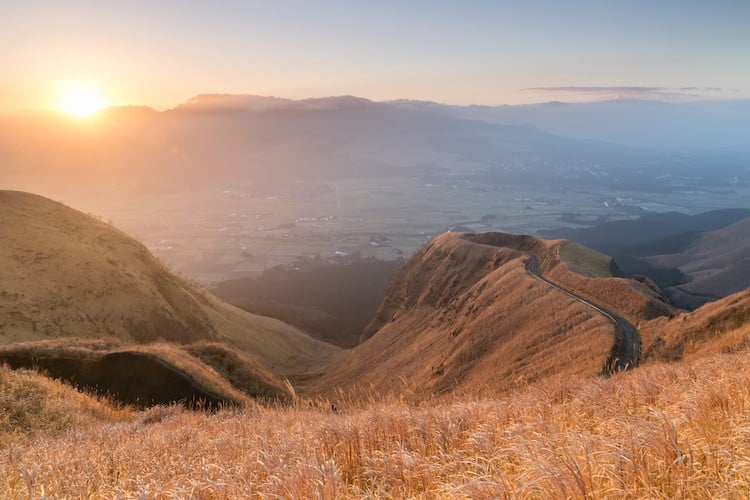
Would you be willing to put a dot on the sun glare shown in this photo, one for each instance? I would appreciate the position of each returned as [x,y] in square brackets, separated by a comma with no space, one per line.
[82,100]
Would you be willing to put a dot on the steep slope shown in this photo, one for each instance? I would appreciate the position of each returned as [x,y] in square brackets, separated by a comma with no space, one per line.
[465,312]
[717,327]
[65,274]
[717,263]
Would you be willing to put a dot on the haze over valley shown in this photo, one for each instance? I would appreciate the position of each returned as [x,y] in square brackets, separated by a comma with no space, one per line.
[225,186]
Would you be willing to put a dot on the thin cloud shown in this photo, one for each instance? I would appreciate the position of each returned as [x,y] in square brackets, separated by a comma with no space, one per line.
[632,92]
[708,89]
[599,89]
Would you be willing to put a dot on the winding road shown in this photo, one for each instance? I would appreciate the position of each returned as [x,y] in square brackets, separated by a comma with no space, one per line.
[626,351]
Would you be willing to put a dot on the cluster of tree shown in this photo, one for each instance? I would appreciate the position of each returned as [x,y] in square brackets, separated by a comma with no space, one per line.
[332,301]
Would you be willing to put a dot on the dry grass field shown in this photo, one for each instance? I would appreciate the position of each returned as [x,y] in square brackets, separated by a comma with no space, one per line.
[678,430]
[34,405]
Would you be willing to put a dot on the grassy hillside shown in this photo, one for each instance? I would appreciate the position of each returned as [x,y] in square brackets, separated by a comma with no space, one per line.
[494,396]
[66,274]
[664,431]
[693,258]
[34,405]
[716,263]
[717,327]
[463,315]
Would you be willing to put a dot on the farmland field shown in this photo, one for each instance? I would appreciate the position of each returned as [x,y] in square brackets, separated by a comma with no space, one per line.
[231,232]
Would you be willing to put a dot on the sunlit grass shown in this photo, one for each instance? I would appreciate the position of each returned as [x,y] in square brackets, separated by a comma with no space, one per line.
[662,431]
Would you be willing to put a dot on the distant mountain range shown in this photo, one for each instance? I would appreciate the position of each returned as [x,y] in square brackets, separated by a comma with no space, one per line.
[701,125]
[215,139]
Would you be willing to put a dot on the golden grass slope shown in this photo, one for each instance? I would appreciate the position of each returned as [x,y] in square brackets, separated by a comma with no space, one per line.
[588,273]
[464,314]
[32,404]
[584,260]
[66,274]
[717,327]
[664,431]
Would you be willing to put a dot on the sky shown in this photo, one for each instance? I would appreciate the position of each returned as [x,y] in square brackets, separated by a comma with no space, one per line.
[459,52]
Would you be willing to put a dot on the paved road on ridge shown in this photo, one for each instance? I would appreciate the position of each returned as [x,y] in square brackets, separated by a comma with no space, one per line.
[626,352]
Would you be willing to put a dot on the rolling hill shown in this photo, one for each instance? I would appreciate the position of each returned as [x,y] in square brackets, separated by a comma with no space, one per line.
[693,258]
[716,263]
[66,274]
[519,323]
[649,233]
[718,327]
[494,310]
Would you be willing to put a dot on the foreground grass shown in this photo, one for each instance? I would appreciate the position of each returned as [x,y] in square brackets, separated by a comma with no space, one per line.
[662,431]
[34,405]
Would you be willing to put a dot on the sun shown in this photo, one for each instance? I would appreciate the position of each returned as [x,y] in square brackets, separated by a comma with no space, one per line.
[82,100]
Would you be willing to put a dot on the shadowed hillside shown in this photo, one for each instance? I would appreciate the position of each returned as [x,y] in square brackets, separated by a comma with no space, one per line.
[66,274]
[199,375]
[333,302]
[716,263]
[693,258]
[465,313]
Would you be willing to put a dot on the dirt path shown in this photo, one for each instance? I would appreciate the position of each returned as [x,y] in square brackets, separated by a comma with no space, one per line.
[626,351]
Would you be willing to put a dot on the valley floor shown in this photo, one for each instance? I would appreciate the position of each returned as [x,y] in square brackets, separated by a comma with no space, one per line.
[660,431]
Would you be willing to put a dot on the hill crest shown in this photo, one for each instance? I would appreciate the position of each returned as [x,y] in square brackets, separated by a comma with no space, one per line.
[70,275]
[465,312]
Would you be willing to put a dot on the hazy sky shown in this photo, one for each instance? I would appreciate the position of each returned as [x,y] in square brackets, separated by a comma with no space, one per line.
[160,53]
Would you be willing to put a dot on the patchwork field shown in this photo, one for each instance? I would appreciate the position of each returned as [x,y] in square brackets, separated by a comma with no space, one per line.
[237,231]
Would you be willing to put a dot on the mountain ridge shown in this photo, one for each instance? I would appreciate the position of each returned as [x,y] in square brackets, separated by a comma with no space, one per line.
[465,312]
